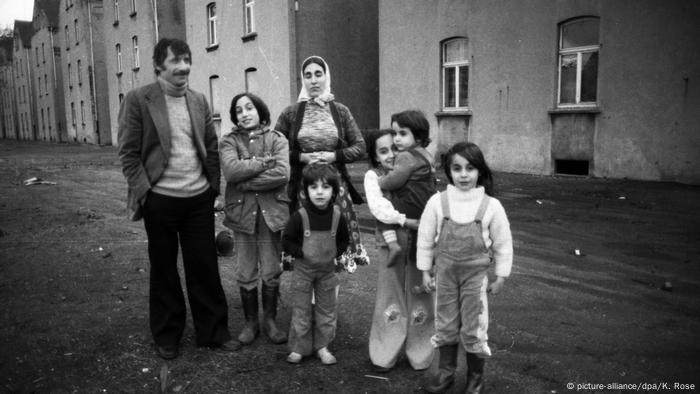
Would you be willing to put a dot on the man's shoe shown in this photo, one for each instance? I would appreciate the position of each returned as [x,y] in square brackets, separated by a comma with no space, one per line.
[167,352]
[228,346]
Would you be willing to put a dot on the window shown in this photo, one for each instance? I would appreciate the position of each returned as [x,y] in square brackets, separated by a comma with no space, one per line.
[211,24]
[43,121]
[70,78]
[80,74]
[65,31]
[121,97]
[116,12]
[82,112]
[75,28]
[72,112]
[119,58]
[135,45]
[578,62]
[133,8]
[38,84]
[43,52]
[214,96]
[48,117]
[455,74]
[36,54]
[249,16]
[251,82]
[46,84]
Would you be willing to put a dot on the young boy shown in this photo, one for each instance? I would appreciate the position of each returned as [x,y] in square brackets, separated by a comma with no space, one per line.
[315,236]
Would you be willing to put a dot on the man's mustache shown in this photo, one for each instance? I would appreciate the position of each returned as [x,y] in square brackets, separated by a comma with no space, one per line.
[184,72]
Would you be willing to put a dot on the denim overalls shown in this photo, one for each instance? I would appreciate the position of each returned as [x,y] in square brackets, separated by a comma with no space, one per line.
[314,274]
[462,262]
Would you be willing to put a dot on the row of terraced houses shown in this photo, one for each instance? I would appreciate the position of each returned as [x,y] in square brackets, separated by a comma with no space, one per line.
[579,87]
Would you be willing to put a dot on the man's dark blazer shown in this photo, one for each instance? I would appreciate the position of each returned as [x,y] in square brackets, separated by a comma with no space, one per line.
[144,141]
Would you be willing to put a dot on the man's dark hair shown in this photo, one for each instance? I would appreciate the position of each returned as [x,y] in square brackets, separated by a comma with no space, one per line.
[260,106]
[160,52]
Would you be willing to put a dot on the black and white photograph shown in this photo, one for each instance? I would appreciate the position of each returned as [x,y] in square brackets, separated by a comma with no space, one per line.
[350,196]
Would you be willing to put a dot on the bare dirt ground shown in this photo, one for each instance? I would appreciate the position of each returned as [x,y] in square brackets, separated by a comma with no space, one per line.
[74,285]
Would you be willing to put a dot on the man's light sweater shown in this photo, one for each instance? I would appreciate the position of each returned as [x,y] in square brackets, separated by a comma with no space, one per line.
[463,206]
[184,175]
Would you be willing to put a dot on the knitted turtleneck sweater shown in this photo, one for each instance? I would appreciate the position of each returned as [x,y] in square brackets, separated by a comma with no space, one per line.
[184,176]
[463,207]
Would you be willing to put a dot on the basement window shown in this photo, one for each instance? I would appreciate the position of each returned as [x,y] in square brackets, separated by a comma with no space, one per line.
[571,167]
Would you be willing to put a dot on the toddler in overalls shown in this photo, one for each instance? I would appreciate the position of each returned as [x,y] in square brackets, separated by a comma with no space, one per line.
[464,231]
[315,236]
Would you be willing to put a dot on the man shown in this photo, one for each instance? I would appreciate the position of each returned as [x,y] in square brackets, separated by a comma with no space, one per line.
[169,156]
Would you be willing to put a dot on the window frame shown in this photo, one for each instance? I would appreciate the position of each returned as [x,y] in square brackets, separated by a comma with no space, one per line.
[248,18]
[214,86]
[118,48]
[116,12]
[212,19]
[133,8]
[579,51]
[79,70]
[456,65]
[135,52]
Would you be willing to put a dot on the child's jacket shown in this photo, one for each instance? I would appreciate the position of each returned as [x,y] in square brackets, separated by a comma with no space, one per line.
[251,188]
[411,182]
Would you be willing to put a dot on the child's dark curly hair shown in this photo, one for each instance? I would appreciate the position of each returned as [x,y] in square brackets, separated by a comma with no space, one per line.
[415,121]
[324,172]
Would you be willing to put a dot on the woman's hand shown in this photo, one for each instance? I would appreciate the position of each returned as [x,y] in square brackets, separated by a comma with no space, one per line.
[312,157]
[411,224]
[496,286]
[308,158]
[328,157]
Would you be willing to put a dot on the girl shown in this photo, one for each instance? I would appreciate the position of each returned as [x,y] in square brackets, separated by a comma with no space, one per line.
[466,231]
[315,236]
[399,315]
[255,163]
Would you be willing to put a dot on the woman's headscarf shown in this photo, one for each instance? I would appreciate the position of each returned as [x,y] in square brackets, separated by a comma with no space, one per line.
[326,95]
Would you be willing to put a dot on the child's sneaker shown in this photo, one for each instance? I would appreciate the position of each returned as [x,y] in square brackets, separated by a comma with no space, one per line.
[294,358]
[327,358]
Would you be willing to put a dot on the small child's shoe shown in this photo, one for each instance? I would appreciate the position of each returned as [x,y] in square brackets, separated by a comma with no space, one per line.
[327,358]
[294,358]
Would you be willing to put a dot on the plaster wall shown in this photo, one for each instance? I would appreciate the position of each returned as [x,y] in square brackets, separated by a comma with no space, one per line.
[344,33]
[647,127]
[258,62]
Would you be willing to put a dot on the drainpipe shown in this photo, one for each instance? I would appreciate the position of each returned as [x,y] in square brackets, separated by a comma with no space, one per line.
[154,3]
[91,71]
[30,89]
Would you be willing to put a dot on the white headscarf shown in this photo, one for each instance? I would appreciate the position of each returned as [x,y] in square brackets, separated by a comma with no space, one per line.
[326,95]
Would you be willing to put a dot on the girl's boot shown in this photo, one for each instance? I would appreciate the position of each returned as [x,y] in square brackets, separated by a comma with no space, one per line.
[269,300]
[440,382]
[475,374]
[249,300]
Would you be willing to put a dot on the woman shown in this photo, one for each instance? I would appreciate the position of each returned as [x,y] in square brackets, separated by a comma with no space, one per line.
[321,129]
